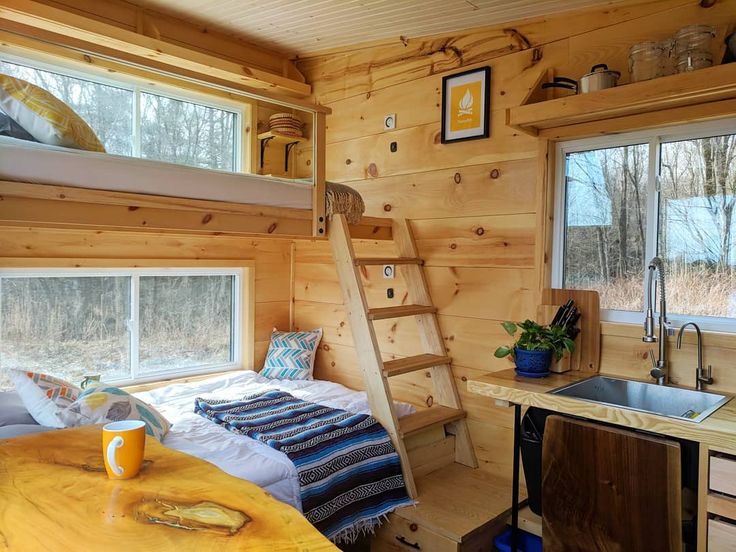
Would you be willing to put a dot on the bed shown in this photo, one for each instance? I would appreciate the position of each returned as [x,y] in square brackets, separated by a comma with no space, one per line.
[237,455]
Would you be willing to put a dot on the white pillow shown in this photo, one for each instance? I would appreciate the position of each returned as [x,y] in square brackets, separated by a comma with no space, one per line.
[44,396]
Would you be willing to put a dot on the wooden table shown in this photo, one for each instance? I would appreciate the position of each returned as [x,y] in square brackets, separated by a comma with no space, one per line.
[55,495]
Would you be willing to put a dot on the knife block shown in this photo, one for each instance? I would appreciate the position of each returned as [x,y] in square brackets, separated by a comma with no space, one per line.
[586,357]
[545,314]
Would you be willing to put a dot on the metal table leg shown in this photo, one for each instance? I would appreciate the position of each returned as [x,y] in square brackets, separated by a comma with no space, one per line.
[515,480]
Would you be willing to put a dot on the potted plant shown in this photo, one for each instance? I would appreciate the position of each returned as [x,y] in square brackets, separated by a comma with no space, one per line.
[535,346]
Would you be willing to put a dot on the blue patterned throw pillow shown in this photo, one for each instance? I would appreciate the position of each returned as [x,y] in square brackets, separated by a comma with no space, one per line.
[291,355]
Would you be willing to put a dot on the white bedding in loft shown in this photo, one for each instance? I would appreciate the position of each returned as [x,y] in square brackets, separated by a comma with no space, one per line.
[25,161]
[238,455]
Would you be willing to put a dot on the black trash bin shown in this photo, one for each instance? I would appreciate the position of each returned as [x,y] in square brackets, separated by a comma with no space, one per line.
[532,433]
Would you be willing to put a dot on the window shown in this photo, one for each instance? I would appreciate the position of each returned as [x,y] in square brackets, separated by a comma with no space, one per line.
[126,325]
[134,121]
[622,200]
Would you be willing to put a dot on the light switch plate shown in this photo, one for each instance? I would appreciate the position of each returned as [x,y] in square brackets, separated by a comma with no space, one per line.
[389,121]
[389,271]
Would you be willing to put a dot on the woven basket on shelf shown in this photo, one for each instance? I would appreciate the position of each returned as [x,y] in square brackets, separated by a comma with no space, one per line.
[285,123]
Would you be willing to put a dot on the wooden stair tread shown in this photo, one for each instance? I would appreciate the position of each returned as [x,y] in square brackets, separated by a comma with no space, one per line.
[427,417]
[372,261]
[400,311]
[413,363]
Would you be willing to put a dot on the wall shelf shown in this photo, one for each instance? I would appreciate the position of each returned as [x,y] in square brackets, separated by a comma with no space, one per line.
[277,138]
[674,91]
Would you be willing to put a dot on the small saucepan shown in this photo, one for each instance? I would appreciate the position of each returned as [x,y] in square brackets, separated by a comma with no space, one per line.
[563,83]
[599,78]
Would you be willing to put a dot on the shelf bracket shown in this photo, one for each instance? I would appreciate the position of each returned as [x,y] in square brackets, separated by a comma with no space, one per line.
[264,143]
[287,150]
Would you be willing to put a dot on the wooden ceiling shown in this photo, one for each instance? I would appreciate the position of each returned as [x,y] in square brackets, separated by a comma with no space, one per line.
[303,27]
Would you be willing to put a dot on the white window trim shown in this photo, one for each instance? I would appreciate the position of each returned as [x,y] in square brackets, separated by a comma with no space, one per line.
[654,138]
[134,86]
[242,329]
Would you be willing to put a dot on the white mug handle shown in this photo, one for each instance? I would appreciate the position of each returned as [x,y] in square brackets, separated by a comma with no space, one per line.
[115,444]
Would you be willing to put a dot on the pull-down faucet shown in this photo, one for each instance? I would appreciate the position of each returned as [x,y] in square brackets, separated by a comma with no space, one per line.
[659,366]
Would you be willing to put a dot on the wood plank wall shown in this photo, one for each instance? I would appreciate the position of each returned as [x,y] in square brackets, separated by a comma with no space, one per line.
[272,261]
[473,205]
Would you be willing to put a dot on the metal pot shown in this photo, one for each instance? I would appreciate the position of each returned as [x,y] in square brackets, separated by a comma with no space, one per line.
[599,78]
[570,86]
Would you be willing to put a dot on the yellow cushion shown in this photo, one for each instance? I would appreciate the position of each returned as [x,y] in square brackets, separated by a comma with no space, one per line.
[44,116]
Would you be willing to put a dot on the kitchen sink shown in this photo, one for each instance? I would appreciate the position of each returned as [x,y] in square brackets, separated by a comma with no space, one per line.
[673,402]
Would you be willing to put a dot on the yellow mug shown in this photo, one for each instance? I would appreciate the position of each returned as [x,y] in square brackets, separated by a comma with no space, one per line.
[123,444]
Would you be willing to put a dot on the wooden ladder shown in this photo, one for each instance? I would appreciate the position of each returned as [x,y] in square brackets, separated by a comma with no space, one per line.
[446,410]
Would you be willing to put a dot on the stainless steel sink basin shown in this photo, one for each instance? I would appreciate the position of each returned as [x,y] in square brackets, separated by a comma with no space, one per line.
[673,402]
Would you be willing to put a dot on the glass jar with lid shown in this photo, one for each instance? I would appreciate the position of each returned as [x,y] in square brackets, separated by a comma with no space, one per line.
[694,39]
[646,61]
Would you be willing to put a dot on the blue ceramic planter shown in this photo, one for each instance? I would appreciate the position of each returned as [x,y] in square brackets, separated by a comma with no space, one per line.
[532,364]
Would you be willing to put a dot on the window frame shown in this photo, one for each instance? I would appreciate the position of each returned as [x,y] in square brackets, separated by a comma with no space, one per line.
[654,138]
[243,301]
[241,155]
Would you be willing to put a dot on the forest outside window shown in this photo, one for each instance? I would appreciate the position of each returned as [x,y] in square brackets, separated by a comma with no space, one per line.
[126,325]
[622,200]
[140,122]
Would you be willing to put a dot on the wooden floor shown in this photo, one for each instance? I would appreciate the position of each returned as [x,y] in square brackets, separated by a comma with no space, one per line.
[455,501]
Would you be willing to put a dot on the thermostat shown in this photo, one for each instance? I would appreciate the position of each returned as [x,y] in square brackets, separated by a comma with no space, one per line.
[389,121]
[388,272]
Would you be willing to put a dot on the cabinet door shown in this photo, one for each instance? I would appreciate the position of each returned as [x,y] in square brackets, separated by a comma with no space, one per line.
[607,489]
[401,535]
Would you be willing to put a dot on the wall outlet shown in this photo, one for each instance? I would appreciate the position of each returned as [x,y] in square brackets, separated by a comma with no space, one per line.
[389,121]
[389,271]
[390,293]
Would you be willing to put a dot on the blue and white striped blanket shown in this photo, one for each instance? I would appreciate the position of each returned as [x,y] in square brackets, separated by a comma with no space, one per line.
[349,472]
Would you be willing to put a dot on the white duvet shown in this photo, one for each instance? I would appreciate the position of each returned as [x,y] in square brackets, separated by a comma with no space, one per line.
[238,455]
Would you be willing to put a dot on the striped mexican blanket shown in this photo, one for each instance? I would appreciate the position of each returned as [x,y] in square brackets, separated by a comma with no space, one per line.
[349,472]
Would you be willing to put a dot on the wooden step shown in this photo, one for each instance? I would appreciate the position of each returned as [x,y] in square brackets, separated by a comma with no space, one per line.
[402,310]
[413,363]
[427,417]
[372,261]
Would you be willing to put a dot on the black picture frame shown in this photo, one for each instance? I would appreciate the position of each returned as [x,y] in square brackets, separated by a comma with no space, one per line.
[484,130]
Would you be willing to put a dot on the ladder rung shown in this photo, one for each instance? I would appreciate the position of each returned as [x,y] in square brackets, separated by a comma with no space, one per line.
[402,310]
[413,363]
[371,261]
[429,417]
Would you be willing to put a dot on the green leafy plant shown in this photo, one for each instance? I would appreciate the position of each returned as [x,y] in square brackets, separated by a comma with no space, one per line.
[535,337]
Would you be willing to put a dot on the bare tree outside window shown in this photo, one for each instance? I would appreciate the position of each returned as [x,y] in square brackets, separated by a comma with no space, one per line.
[166,129]
[606,224]
[605,241]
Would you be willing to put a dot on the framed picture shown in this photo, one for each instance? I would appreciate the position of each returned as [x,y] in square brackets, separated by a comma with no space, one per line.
[466,102]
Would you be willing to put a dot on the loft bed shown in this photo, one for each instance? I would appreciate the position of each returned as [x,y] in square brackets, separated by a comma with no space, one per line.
[43,185]
[55,186]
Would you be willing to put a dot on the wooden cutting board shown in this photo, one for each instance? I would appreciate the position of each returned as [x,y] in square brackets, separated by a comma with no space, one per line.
[587,356]
[624,495]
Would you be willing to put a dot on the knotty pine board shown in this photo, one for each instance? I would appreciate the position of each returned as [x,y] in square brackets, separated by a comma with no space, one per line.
[420,147]
[503,188]
[505,241]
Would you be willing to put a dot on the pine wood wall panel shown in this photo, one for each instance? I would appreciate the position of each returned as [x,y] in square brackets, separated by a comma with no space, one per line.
[272,259]
[474,206]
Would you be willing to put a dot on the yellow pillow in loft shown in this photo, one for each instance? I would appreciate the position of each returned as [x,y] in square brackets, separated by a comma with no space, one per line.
[44,116]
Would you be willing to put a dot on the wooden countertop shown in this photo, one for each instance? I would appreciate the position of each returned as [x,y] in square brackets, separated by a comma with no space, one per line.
[717,431]
[56,495]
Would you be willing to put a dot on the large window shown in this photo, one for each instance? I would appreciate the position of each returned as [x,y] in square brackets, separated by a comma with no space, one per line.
[623,200]
[126,325]
[135,121]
